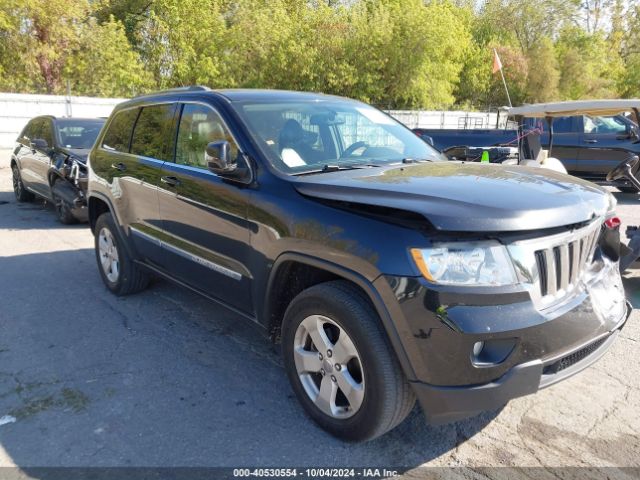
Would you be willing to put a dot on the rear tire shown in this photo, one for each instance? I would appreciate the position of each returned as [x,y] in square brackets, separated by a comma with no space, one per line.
[119,272]
[340,363]
[21,193]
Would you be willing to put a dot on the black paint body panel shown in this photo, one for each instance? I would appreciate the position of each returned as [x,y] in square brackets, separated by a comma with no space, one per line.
[227,238]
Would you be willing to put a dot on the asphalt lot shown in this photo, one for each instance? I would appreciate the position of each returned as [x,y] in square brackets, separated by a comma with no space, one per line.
[165,378]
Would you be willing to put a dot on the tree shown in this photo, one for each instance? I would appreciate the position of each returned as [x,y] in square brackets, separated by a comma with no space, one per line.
[43,34]
[404,59]
[105,64]
[544,77]
[180,42]
[589,67]
[530,21]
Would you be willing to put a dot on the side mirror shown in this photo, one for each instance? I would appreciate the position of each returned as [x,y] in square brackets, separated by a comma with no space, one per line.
[630,133]
[39,144]
[219,159]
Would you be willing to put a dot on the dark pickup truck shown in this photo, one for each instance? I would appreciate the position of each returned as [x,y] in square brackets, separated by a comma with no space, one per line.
[588,146]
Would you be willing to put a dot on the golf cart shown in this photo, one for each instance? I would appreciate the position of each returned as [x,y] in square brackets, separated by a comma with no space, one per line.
[524,148]
[596,136]
[588,137]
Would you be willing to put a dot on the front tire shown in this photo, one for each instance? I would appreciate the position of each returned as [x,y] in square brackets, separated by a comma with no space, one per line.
[119,272]
[63,209]
[21,193]
[340,364]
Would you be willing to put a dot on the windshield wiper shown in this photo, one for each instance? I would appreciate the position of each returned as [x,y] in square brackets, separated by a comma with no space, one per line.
[334,168]
[416,160]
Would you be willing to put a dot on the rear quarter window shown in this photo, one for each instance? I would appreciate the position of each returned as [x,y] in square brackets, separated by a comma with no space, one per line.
[27,133]
[118,134]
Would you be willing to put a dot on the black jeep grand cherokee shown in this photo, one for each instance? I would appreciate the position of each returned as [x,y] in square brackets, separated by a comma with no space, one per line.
[386,272]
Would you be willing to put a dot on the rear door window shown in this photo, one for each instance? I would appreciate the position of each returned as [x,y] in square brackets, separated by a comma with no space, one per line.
[560,124]
[118,135]
[153,131]
[563,125]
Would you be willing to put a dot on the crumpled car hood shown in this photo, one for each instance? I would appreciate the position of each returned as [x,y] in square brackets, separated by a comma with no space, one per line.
[467,197]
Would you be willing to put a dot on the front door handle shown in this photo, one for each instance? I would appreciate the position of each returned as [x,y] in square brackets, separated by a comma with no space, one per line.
[591,140]
[171,181]
[121,167]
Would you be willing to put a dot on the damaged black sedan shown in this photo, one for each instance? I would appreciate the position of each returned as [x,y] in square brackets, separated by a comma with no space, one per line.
[49,161]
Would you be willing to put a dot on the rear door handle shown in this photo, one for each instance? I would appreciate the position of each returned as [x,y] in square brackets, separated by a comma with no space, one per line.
[591,140]
[121,167]
[171,181]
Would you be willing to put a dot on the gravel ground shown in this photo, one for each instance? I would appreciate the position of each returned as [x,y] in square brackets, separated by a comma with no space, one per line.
[165,378]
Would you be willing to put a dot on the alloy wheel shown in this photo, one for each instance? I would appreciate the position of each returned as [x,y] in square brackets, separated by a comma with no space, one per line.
[329,366]
[109,258]
[17,183]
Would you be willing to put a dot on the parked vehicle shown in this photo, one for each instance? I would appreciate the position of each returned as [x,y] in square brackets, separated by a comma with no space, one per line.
[386,272]
[630,252]
[49,161]
[443,139]
[587,137]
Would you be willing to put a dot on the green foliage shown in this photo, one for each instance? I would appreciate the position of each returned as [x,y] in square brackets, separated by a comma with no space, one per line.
[543,80]
[588,68]
[104,63]
[392,53]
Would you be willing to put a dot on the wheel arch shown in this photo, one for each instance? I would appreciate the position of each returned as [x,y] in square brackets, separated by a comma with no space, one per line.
[280,291]
[98,204]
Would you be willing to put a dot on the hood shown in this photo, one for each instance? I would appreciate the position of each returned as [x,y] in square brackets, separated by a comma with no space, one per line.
[469,197]
[79,154]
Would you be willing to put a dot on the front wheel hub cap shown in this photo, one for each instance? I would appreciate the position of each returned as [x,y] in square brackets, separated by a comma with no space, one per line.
[108,252]
[323,347]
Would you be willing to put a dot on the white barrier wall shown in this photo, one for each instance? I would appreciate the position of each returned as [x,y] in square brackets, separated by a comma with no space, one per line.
[449,119]
[16,109]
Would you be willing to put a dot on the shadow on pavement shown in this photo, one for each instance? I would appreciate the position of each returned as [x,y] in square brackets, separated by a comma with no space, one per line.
[160,379]
[23,216]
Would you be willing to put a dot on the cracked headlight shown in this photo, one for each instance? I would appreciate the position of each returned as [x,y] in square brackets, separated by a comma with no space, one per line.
[466,263]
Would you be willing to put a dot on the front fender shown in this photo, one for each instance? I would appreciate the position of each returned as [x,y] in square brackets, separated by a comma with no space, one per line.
[377,291]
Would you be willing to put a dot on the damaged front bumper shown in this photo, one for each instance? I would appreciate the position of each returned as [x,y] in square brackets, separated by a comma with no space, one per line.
[524,349]
[450,404]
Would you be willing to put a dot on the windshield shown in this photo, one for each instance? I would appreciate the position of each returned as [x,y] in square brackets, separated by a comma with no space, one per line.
[80,134]
[300,137]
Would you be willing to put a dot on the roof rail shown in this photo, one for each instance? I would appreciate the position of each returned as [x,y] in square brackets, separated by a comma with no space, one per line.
[190,88]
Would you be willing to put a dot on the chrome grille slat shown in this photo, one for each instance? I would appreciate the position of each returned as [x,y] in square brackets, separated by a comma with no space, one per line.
[552,282]
[564,266]
[574,254]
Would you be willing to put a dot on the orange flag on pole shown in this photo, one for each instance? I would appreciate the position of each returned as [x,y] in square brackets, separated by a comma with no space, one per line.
[497,67]
[497,64]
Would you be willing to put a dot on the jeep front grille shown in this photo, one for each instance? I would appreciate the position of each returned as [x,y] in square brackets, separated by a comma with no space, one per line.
[553,266]
[561,266]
